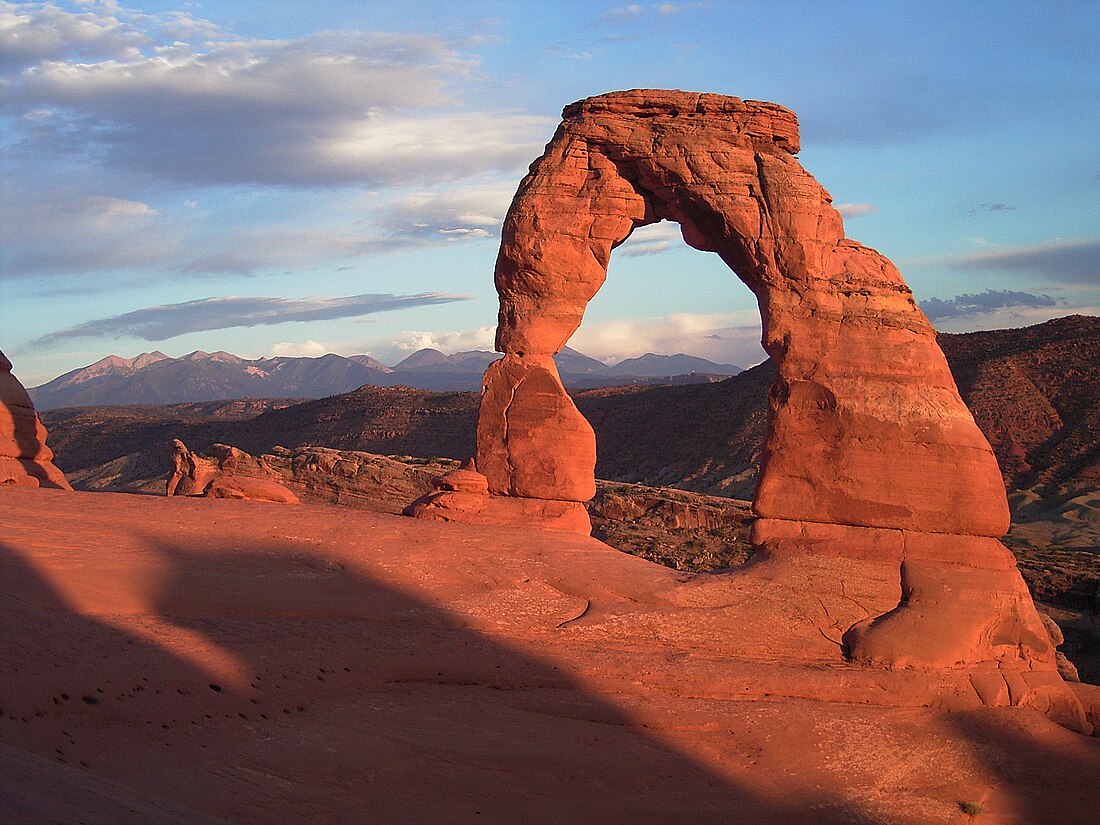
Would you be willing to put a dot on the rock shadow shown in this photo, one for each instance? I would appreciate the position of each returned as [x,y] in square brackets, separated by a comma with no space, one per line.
[364,704]
[1049,775]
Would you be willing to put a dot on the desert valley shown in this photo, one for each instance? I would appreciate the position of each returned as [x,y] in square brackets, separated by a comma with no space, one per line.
[858,582]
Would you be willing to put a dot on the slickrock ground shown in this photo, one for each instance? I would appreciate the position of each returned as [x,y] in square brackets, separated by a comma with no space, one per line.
[260,663]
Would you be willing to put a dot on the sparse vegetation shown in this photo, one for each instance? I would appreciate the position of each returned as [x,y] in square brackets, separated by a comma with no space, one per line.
[971,809]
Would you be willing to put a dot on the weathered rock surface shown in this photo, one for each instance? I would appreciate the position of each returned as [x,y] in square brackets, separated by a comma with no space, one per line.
[463,495]
[315,664]
[870,454]
[531,439]
[866,425]
[352,477]
[227,473]
[24,457]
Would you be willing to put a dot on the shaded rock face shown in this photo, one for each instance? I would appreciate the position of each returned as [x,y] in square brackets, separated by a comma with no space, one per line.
[869,452]
[24,457]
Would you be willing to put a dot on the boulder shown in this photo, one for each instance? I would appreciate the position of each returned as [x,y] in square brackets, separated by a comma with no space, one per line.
[463,495]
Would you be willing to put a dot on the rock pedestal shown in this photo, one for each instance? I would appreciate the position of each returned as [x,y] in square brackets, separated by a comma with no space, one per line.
[24,457]
[463,495]
[870,452]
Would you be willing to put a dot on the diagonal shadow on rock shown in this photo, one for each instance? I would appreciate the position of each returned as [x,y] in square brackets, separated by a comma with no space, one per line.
[364,704]
[1045,771]
[61,676]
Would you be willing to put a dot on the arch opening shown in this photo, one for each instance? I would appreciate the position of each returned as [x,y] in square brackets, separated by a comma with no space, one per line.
[894,448]
[662,296]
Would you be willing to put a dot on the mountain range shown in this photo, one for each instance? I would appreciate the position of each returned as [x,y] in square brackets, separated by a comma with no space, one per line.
[155,378]
[1035,392]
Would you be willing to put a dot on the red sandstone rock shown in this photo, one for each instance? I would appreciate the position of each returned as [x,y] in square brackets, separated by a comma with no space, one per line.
[463,481]
[248,488]
[866,425]
[871,457]
[25,459]
[228,473]
[531,439]
[463,495]
[315,664]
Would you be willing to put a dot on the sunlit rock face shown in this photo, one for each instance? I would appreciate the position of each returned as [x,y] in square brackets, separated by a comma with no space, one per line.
[870,453]
[24,457]
[866,428]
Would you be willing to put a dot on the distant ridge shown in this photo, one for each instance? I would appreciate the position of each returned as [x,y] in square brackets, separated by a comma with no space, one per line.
[155,378]
[655,365]
[1035,393]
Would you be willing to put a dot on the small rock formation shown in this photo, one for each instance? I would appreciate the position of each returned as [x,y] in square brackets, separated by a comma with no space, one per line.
[228,473]
[24,457]
[353,478]
[463,495]
[870,453]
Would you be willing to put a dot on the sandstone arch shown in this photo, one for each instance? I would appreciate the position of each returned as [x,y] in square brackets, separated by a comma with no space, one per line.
[870,452]
[867,426]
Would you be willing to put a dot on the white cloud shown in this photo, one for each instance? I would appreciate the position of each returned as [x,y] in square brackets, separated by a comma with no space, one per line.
[651,240]
[619,14]
[472,211]
[729,337]
[855,210]
[32,33]
[69,231]
[307,348]
[481,338]
[330,108]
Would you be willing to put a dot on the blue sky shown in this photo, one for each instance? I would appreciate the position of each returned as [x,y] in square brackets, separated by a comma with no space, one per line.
[289,178]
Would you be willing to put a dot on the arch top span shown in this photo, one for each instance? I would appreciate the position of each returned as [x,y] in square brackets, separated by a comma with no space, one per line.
[866,426]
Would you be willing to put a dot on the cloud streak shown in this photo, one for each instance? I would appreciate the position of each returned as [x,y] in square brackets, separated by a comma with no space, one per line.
[855,210]
[68,231]
[983,302]
[651,240]
[448,215]
[159,323]
[1073,261]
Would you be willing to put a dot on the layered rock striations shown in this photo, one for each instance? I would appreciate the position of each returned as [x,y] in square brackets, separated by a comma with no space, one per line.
[24,457]
[870,453]
[227,473]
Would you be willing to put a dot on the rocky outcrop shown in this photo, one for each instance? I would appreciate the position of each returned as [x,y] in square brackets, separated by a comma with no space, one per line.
[24,457]
[463,495]
[870,453]
[227,473]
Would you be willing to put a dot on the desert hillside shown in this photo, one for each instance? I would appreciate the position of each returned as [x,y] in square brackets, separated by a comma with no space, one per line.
[1035,393]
